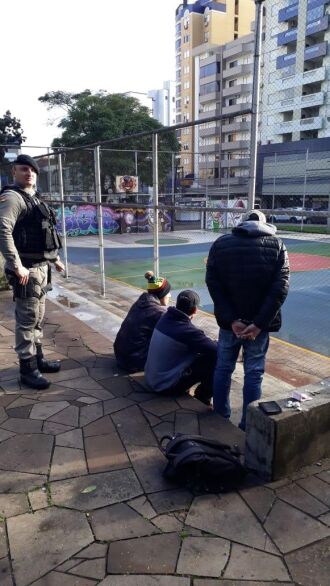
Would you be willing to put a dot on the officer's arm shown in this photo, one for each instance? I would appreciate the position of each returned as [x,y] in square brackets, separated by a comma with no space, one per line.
[12,207]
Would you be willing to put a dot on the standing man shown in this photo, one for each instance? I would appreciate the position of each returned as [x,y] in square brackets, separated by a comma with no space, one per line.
[248,279]
[29,243]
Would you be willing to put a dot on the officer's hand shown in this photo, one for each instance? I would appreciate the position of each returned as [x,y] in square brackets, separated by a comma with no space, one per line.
[23,275]
[250,332]
[59,266]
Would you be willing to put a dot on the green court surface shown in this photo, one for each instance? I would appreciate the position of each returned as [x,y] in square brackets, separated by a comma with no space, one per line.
[164,241]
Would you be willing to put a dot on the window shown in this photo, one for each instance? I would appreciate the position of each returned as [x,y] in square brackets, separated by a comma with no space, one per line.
[232,82]
[211,69]
[186,69]
[315,14]
[186,85]
[186,39]
[208,88]
[233,64]
[206,36]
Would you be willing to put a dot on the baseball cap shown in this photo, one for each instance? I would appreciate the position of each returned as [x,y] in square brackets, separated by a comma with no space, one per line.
[187,301]
[255,215]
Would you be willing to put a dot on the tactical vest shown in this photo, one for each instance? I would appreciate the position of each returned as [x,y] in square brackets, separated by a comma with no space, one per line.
[36,232]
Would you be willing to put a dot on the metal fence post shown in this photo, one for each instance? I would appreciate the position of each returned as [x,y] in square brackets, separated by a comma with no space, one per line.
[304,192]
[97,172]
[61,190]
[274,182]
[255,103]
[49,173]
[155,201]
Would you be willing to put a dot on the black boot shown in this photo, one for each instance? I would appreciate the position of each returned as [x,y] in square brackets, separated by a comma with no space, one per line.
[46,365]
[31,375]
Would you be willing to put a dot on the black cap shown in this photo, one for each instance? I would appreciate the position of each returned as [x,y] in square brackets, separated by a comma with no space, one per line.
[27,160]
[187,301]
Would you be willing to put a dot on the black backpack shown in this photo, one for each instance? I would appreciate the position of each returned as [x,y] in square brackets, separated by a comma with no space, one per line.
[202,464]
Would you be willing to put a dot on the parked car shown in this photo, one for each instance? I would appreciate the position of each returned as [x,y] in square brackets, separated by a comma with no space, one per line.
[281,215]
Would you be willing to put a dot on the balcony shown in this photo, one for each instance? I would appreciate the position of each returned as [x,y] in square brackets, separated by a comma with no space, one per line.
[285,60]
[318,26]
[240,88]
[236,108]
[315,3]
[301,125]
[312,76]
[234,163]
[213,131]
[307,101]
[316,51]
[209,148]
[236,127]
[242,69]
[238,49]
[289,36]
[288,13]
[211,97]
[235,145]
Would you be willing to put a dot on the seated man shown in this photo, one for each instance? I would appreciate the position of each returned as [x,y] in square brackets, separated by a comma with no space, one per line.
[180,355]
[133,339]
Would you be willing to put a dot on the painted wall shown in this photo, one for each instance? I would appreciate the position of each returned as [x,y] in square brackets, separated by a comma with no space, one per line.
[81,220]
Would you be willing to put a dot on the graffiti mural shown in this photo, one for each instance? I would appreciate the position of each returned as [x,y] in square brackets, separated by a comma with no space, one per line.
[219,219]
[81,220]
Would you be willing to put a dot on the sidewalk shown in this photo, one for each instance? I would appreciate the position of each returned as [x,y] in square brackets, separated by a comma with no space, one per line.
[83,500]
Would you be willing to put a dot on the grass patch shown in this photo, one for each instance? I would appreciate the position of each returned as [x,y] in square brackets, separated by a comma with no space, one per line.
[307,228]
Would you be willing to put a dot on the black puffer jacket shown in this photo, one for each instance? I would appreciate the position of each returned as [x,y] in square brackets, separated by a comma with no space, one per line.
[132,341]
[248,276]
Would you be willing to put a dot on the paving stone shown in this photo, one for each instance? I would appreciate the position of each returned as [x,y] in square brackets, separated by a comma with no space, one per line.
[45,536]
[160,406]
[38,499]
[85,383]
[118,386]
[67,565]
[13,504]
[114,405]
[111,487]
[212,582]
[316,487]
[101,394]
[28,453]
[5,572]
[152,419]
[228,517]
[292,529]
[171,500]
[20,402]
[18,425]
[101,373]
[203,556]
[298,497]
[186,423]
[325,519]
[59,579]
[147,555]
[69,416]
[70,439]
[55,428]
[14,482]
[67,463]
[3,541]
[105,452]
[149,463]
[90,569]
[90,413]
[65,375]
[133,427]
[139,397]
[324,476]
[311,566]
[4,434]
[145,581]
[167,523]
[164,428]
[260,499]
[12,386]
[88,400]
[188,403]
[21,412]
[142,506]
[103,426]
[119,522]
[45,410]
[248,564]
[6,400]
[95,550]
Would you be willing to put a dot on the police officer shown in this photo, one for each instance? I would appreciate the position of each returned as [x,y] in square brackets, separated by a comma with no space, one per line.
[29,243]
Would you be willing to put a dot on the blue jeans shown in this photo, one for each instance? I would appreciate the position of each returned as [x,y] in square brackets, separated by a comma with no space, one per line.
[254,355]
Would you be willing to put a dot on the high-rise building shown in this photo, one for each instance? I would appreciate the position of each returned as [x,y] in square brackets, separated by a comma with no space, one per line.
[223,156]
[207,24]
[295,96]
[163,103]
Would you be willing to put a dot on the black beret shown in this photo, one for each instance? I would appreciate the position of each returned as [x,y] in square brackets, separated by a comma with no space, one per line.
[27,160]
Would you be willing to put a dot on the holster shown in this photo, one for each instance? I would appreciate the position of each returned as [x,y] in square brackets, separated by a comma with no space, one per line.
[31,289]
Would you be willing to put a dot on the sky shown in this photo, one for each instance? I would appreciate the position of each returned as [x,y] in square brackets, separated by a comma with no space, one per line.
[71,45]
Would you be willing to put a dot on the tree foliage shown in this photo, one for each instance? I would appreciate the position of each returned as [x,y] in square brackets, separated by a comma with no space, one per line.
[91,118]
[11,132]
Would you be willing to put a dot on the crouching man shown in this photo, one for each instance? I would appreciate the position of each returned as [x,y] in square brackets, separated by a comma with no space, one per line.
[180,354]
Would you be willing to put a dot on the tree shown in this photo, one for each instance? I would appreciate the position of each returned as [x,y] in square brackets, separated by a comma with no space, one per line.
[11,133]
[90,118]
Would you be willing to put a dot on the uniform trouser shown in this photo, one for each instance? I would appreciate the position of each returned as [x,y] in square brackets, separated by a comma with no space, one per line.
[29,314]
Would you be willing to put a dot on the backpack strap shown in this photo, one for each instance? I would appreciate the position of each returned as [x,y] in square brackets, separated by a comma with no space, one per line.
[194,451]
[198,438]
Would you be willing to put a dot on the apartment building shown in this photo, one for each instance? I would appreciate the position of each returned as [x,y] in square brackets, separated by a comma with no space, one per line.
[224,77]
[163,103]
[296,98]
[203,25]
